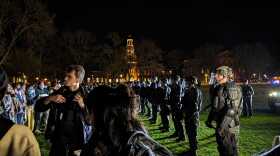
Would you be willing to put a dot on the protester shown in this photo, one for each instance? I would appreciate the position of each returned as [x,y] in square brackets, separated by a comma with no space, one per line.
[31,100]
[8,104]
[21,104]
[67,114]
[117,130]
[41,117]
[15,140]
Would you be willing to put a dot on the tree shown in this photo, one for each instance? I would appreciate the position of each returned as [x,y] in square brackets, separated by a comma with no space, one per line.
[207,54]
[110,55]
[253,58]
[174,59]
[28,65]
[79,46]
[149,58]
[24,27]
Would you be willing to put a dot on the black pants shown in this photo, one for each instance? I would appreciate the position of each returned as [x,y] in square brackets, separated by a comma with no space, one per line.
[61,148]
[177,120]
[38,120]
[247,106]
[191,126]
[164,112]
[154,111]
[143,101]
[148,106]
[227,143]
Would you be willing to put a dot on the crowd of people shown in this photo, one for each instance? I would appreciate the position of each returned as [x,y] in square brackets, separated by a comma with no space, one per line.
[19,101]
[99,119]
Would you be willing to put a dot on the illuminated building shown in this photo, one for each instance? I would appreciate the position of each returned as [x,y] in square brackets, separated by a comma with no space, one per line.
[133,71]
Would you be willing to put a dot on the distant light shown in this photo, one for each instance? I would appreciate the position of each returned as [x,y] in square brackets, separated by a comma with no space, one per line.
[37,78]
[45,79]
[274,94]
[275,82]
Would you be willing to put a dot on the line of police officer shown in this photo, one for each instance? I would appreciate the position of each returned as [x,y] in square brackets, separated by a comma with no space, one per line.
[182,98]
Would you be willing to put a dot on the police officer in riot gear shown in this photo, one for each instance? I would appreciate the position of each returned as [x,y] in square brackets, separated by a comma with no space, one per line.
[148,93]
[212,94]
[226,110]
[164,109]
[154,100]
[176,110]
[143,97]
[191,106]
[247,92]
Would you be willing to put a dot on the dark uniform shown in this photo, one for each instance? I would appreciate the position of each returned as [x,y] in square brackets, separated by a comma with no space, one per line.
[147,92]
[176,112]
[226,110]
[163,97]
[142,98]
[192,102]
[247,92]
[213,92]
[154,101]
[136,88]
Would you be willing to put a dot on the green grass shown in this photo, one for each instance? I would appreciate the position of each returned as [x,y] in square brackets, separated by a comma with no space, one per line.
[256,135]
[260,99]
[44,145]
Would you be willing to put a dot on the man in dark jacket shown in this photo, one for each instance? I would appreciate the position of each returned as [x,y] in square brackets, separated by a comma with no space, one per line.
[192,101]
[67,114]
[176,110]
[247,92]
[164,109]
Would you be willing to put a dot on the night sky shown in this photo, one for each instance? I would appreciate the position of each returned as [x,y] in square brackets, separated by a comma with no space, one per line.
[174,28]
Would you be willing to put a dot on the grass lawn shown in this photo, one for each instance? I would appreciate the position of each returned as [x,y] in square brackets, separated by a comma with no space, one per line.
[256,135]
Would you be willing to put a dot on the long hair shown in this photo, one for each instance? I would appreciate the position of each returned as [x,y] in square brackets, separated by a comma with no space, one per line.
[115,118]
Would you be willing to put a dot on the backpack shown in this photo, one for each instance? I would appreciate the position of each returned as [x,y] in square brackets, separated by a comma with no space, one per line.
[234,93]
[140,144]
[234,102]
